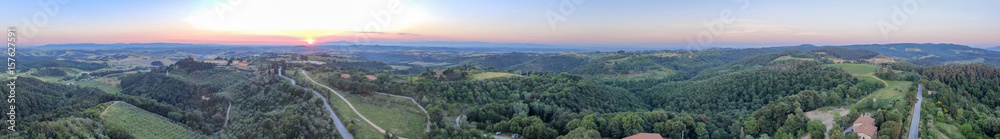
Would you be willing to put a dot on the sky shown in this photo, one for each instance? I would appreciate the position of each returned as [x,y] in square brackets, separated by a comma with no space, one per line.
[637,23]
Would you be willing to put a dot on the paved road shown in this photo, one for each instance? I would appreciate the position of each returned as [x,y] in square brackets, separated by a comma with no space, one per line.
[340,126]
[915,121]
[345,100]
[351,105]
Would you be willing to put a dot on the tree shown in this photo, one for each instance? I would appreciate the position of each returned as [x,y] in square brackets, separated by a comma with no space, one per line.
[793,123]
[156,63]
[701,131]
[628,124]
[751,126]
[816,129]
[891,129]
[990,126]
[669,128]
[581,133]
[835,133]
[539,131]
[581,123]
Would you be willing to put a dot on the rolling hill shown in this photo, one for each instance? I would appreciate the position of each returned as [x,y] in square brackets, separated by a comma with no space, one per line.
[143,124]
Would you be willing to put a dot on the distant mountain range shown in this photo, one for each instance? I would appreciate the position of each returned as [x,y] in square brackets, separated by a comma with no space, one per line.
[994,48]
[447,44]
[478,44]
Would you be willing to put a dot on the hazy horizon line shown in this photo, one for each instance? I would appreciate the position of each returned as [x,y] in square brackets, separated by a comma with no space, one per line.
[495,45]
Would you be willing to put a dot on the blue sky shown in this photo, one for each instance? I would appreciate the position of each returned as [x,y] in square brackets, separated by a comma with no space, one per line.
[645,23]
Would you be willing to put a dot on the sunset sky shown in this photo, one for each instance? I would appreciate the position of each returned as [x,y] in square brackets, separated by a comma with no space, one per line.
[667,24]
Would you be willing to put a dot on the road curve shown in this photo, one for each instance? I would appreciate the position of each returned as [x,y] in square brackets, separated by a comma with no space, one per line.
[340,126]
[345,100]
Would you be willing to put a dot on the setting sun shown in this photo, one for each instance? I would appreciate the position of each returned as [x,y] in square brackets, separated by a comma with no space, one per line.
[310,40]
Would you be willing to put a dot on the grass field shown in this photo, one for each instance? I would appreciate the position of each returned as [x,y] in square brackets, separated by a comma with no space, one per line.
[392,114]
[109,85]
[490,75]
[430,64]
[949,130]
[143,124]
[398,67]
[783,58]
[867,78]
[856,68]
[890,92]
[663,54]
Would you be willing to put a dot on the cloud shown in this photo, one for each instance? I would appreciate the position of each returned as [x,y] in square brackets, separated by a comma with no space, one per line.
[370,32]
[388,33]
[754,29]
[407,34]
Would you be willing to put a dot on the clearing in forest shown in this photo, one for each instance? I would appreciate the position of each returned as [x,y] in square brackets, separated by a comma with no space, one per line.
[490,75]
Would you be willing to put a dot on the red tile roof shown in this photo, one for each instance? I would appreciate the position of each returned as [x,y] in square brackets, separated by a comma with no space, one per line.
[865,120]
[867,126]
[645,136]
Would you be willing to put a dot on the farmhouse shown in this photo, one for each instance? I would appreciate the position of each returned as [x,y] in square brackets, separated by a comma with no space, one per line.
[864,126]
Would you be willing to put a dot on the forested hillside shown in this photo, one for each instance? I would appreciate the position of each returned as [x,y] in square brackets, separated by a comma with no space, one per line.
[938,53]
[746,90]
[619,64]
[558,63]
[503,60]
[966,96]
[847,54]
[29,62]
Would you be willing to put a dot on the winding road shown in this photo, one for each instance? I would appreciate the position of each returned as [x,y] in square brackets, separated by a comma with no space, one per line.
[340,126]
[426,129]
[345,100]
[915,121]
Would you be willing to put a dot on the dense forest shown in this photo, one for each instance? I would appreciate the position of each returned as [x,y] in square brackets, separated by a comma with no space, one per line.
[557,63]
[968,95]
[32,62]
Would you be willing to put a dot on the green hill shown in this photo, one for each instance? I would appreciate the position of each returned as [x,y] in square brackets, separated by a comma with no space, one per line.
[558,63]
[143,124]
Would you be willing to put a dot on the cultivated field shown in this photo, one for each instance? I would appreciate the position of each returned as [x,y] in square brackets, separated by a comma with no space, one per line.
[392,114]
[490,75]
[143,124]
